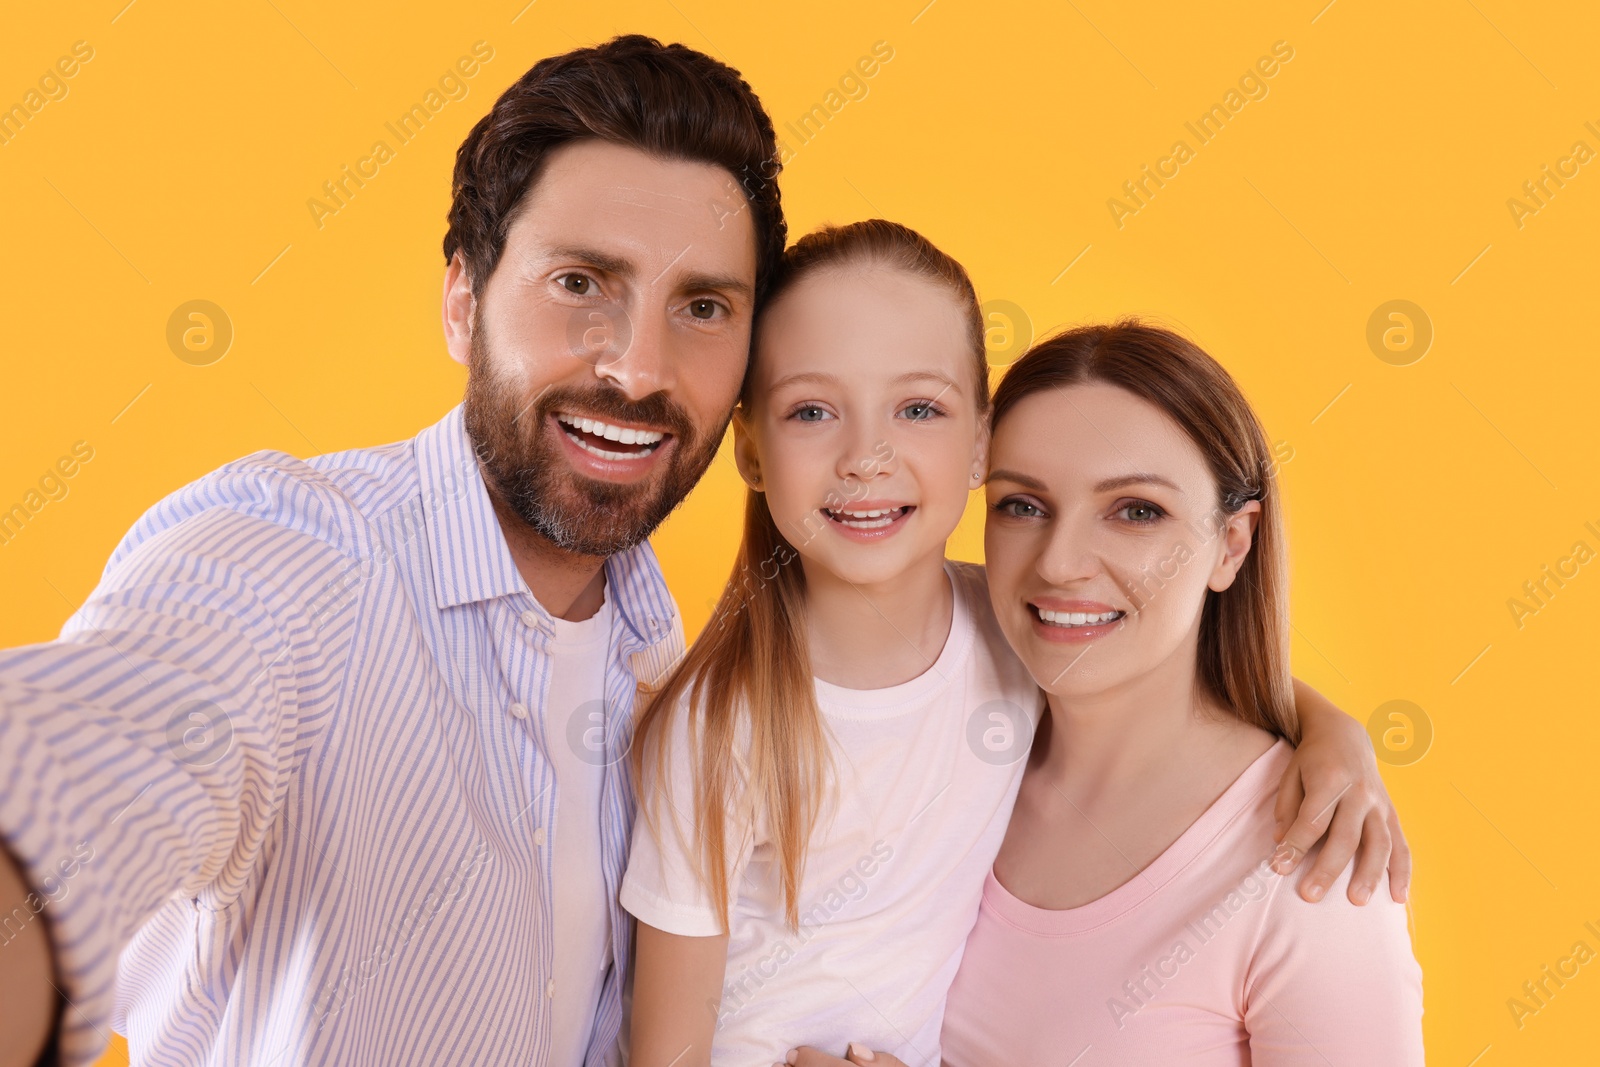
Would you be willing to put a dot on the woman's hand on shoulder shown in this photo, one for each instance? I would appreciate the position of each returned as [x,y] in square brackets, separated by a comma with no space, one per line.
[1332,787]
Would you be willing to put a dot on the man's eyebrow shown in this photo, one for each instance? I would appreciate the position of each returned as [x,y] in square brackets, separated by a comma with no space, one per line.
[725,283]
[611,264]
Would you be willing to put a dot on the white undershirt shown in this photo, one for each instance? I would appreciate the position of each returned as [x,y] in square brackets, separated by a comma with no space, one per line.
[582,919]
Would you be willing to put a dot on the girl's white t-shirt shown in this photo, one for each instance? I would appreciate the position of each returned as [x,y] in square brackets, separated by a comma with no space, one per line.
[925,774]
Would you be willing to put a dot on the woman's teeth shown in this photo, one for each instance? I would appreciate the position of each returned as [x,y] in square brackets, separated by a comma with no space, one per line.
[1077,618]
[874,519]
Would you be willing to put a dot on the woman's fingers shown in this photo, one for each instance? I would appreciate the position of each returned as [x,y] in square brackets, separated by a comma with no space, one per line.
[1343,839]
[1399,860]
[1372,859]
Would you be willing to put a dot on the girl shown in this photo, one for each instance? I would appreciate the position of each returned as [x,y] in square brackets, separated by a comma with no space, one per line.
[826,778]
[1132,915]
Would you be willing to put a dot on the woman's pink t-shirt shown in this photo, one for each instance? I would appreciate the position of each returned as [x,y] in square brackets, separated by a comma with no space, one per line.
[1206,957]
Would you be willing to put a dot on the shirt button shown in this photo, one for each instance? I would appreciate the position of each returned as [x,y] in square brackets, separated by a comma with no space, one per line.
[539,836]
[519,711]
[550,988]
[530,619]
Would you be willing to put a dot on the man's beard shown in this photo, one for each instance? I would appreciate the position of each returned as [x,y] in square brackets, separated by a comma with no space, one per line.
[526,472]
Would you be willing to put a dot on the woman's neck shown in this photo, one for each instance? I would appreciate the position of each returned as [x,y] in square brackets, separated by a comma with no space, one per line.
[1158,727]
[876,636]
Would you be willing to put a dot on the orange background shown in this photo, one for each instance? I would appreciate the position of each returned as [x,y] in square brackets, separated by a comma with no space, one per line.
[1378,166]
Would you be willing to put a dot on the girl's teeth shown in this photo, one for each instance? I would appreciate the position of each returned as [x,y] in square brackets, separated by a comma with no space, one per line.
[1077,618]
[867,520]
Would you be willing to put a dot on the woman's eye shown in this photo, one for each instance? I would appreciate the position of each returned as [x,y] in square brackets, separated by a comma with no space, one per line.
[1141,512]
[810,413]
[920,411]
[703,309]
[577,284]
[1018,509]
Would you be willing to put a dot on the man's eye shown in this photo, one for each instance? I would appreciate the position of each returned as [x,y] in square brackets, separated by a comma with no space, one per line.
[577,284]
[703,309]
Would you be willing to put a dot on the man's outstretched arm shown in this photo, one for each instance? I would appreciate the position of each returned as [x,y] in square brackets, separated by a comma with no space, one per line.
[144,753]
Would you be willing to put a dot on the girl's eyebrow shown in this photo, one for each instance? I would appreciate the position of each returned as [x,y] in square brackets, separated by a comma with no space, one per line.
[926,376]
[805,378]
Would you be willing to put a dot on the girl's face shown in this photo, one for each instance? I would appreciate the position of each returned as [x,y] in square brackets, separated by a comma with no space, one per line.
[863,429]
[1102,539]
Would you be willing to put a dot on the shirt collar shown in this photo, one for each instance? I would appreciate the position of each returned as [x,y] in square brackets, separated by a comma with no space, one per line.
[471,561]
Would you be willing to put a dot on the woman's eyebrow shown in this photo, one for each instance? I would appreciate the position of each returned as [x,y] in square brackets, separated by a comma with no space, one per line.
[1125,480]
[1024,480]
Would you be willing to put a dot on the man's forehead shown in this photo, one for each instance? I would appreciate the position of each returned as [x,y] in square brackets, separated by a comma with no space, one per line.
[630,205]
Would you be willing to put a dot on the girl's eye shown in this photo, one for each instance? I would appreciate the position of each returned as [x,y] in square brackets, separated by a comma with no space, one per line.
[1140,511]
[1018,509]
[809,413]
[577,284]
[704,309]
[920,410]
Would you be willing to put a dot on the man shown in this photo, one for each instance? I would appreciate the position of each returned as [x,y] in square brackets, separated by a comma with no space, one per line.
[286,750]
[330,767]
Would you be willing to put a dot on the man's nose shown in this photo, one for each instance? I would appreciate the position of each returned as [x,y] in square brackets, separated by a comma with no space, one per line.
[642,360]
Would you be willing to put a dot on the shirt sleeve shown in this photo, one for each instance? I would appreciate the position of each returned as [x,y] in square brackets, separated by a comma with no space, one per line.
[662,885]
[146,751]
[1332,983]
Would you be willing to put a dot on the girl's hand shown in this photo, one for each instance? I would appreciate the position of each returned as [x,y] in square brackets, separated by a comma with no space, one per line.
[857,1054]
[1332,786]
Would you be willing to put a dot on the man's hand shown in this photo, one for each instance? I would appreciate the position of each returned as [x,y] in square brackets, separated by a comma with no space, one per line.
[26,990]
[856,1054]
[1332,786]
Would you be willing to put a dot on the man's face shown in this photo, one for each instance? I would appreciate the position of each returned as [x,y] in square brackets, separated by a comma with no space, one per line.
[609,344]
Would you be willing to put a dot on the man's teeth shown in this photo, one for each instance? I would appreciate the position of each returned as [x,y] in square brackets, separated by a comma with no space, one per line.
[1077,618]
[866,520]
[620,434]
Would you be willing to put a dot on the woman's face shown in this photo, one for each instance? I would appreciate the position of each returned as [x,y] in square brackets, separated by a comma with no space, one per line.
[863,431]
[1102,539]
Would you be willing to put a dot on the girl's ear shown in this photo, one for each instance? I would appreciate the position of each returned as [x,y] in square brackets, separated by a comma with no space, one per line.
[1238,533]
[980,455]
[745,455]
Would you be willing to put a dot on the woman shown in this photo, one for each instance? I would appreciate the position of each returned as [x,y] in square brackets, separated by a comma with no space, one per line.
[1137,565]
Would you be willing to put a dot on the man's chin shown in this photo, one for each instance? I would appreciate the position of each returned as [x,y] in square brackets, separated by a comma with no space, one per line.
[592,518]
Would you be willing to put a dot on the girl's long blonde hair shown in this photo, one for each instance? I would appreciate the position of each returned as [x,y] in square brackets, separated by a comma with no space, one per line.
[751,664]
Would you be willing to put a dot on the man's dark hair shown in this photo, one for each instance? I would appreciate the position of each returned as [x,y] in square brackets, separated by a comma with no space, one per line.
[667,100]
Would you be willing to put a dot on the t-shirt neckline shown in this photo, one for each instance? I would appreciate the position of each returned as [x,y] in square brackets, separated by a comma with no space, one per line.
[839,701]
[1237,799]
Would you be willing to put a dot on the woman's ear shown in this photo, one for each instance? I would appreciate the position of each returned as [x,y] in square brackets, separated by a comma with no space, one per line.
[1238,534]
[745,455]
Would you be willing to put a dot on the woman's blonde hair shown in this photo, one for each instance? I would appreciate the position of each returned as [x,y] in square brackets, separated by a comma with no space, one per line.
[751,664]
